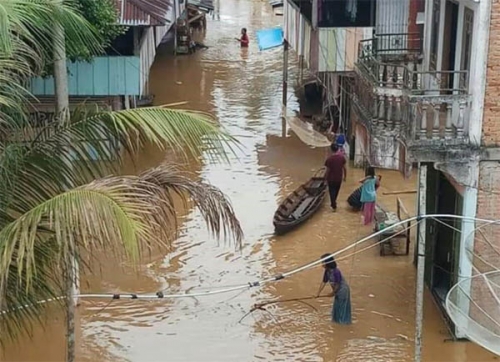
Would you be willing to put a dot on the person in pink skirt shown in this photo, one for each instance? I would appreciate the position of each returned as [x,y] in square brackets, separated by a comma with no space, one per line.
[369,195]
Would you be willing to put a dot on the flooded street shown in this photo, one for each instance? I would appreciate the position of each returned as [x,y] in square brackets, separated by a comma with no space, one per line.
[242,88]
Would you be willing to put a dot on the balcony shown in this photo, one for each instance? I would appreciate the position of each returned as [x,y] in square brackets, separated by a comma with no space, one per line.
[426,110]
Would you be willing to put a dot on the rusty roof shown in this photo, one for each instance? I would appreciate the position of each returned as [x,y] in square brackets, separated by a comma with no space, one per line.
[142,12]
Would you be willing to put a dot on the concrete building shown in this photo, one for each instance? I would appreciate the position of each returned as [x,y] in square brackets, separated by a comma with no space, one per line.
[423,86]
[330,36]
[435,102]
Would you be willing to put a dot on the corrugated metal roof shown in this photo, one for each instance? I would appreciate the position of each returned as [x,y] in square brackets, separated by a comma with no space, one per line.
[142,12]
[207,5]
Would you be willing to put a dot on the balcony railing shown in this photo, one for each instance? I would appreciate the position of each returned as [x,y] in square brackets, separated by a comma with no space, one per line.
[407,77]
[431,108]
[391,45]
[438,118]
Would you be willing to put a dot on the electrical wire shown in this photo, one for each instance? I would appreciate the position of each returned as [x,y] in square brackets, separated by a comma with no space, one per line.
[278,277]
[262,282]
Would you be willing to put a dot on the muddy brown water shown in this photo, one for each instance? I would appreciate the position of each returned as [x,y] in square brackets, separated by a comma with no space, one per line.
[242,88]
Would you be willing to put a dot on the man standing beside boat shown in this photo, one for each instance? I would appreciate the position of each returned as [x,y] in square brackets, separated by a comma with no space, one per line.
[335,173]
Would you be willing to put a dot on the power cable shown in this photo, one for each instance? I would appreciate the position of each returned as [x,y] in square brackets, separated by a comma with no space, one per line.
[261,282]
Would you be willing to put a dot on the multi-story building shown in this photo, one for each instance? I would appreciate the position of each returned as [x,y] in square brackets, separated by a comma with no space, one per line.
[424,90]
[433,102]
[326,35]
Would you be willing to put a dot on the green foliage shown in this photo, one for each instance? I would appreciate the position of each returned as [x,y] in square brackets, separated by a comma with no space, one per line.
[103,16]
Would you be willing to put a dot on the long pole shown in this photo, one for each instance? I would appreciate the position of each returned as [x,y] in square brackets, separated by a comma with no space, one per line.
[285,86]
[419,298]
[176,4]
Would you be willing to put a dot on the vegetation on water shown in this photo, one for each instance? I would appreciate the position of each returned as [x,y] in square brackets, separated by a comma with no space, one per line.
[54,210]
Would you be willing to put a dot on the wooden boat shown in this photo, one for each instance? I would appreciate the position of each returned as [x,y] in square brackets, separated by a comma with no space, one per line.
[301,204]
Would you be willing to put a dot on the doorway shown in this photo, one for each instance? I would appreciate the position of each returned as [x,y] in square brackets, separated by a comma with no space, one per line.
[447,240]
[449,45]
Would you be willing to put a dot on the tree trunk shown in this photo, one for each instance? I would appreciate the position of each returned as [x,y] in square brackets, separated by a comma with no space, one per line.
[70,278]
[60,74]
[63,115]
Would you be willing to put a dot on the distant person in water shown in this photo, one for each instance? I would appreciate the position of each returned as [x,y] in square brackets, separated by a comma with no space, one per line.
[335,174]
[341,309]
[244,38]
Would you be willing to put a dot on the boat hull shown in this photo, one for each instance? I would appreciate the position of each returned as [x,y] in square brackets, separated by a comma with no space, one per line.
[301,204]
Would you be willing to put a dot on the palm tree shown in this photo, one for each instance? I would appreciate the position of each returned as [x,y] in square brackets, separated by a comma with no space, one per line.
[52,207]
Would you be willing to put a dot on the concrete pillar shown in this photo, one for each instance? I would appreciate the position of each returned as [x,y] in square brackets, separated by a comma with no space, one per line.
[466,245]
[419,300]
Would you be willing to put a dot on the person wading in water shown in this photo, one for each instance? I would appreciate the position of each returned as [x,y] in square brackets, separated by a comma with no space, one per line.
[369,195]
[341,309]
[335,174]
[244,38]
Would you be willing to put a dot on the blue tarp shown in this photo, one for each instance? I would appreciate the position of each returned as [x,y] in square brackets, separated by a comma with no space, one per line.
[269,38]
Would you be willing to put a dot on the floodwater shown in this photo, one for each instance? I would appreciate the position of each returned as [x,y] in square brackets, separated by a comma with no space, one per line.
[242,88]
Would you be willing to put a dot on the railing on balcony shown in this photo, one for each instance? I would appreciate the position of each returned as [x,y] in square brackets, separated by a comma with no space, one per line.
[438,118]
[432,107]
[391,45]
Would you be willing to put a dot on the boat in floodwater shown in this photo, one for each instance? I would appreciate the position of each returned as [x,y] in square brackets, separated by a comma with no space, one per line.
[301,204]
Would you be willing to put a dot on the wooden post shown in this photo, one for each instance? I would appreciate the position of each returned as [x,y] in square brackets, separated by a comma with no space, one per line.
[285,86]
[301,69]
[285,73]
[176,4]
[419,299]
[314,15]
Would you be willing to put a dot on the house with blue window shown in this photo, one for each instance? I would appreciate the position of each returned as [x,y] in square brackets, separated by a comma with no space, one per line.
[119,78]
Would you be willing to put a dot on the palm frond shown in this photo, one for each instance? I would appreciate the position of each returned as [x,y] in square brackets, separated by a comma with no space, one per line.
[37,168]
[26,44]
[214,206]
[126,212]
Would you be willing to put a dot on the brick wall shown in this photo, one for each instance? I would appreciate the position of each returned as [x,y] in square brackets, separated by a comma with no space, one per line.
[491,120]
[487,239]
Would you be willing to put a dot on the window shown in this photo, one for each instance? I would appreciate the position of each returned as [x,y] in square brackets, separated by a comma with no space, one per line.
[435,33]
[467,41]
[346,13]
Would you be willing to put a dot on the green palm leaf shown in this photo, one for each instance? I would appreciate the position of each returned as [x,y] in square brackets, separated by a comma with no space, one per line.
[126,213]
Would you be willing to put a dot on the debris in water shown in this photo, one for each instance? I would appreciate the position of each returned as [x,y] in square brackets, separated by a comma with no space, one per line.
[371,295]
[382,314]
[403,336]
[178,83]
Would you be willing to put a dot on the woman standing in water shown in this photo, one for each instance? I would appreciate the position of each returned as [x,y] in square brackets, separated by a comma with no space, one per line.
[369,195]
[341,309]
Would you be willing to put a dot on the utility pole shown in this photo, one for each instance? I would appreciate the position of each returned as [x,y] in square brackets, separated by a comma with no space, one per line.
[419,298]
[71,273]
[285,86]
